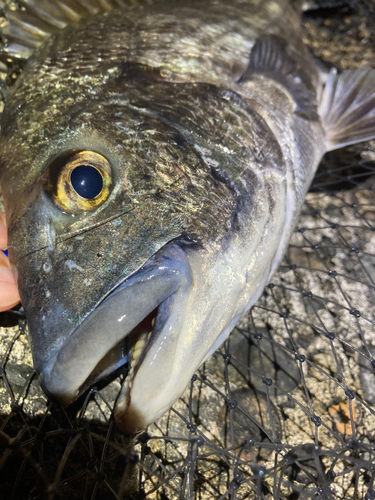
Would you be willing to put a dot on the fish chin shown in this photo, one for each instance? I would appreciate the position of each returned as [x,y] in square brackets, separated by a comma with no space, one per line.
[121,328]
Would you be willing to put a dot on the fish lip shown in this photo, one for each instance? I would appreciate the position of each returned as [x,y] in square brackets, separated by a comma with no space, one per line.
[58,379]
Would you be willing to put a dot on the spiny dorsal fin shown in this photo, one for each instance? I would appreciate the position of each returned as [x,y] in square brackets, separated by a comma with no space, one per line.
[348,107]
[269,56]
[34,20]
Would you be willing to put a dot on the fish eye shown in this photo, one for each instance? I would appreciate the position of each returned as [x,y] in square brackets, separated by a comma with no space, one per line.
[80,180]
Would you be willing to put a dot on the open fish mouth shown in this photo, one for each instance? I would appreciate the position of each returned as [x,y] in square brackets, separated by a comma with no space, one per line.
[122,329]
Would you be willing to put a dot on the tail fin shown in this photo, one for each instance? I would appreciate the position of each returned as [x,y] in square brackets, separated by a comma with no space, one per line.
[347,108]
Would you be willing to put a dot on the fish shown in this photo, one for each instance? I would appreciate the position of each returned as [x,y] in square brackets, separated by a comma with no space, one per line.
[154,158]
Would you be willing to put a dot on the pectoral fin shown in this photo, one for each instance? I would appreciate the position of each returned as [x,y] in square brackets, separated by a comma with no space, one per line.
[271,58]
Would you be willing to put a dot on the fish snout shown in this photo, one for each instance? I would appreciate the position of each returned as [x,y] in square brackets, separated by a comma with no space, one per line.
[121,329]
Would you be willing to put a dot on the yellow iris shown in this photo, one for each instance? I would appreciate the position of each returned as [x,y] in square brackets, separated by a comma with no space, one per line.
[70,195]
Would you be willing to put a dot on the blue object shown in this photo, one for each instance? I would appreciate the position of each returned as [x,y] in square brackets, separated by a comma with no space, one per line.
[5,253]
[87,181]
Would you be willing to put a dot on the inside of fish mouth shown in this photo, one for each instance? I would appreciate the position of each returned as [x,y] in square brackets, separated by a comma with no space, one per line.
[128,353]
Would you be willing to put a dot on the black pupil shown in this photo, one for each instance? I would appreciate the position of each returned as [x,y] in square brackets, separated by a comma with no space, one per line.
[87,181]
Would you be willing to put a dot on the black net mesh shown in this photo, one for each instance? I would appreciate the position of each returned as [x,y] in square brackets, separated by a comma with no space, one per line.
[284,410]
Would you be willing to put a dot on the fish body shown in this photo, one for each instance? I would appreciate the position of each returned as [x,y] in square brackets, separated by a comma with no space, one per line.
[205,123]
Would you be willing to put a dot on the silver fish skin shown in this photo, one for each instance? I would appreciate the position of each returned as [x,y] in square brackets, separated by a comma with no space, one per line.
[205,123]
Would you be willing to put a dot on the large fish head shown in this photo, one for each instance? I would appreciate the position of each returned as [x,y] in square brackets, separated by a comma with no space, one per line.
[115,220]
